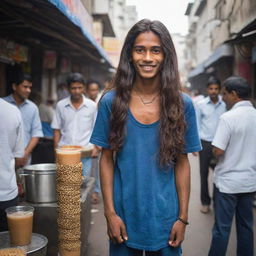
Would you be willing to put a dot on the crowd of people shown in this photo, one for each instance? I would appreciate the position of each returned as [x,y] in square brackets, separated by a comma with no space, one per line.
[30,130]
[140,133]
[226,126]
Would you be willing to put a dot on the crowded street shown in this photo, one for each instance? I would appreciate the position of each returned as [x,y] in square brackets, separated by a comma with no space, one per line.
[127,128]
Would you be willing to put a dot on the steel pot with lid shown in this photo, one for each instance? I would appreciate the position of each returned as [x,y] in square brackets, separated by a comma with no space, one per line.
[40,183]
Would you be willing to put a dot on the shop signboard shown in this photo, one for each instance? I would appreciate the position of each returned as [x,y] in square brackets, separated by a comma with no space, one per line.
[13,52]
[112,46]
[98,31]
[76,12]
[65,66]
[50,59]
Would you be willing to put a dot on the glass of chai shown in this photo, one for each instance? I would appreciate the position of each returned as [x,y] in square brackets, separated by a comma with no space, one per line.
[20,223]
[68,155]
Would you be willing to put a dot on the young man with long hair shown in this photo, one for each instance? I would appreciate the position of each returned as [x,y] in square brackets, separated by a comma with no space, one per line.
[146,127]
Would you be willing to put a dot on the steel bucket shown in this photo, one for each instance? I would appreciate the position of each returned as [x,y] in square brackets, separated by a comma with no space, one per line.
[40,183]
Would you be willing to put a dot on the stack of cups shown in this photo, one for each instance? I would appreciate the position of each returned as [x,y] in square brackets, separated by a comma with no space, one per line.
[12,252]
[69,179]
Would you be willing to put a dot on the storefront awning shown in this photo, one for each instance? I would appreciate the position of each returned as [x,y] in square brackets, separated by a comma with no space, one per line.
[247,34]
[196,71]
[77,14]
[59,25]
[220,52]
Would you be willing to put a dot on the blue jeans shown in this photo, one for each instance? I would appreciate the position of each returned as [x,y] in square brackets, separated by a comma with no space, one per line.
[123,250]
[226,206]
[87,166]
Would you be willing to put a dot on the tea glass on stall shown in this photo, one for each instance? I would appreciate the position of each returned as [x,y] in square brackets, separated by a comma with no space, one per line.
[68,155]
[20,223]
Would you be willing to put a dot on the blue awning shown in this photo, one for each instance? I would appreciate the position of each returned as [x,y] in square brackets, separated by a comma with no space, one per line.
[196,71]
[222,51]
[225,50]
[76,20]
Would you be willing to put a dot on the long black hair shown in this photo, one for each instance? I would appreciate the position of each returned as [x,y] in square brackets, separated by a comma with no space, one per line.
[172,124]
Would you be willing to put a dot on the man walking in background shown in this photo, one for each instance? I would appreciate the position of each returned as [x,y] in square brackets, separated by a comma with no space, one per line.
[74,118]
[29,112]
[208,112]
[92,92]
[11,154]
[235,173]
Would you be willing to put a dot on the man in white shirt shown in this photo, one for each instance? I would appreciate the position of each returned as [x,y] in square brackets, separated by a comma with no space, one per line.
[208,112]
[32,127]
[235,174]
[74,120]
[11,153]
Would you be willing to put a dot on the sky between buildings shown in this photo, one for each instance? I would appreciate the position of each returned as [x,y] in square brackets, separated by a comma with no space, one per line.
[170,12]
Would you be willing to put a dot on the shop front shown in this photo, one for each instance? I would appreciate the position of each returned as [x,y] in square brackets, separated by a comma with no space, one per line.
[245,54]
[219,64]
[47,46]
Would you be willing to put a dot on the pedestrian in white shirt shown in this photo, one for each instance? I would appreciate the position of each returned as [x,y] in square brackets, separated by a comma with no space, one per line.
[32,128]
[208,113]
[12,152]
[235,174]
[74,119]
[92,92]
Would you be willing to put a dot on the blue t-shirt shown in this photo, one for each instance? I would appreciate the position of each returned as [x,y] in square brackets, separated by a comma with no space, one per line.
[145,195]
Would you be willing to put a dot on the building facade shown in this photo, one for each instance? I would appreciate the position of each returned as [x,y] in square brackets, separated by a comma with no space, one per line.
[179,42]
[221,40]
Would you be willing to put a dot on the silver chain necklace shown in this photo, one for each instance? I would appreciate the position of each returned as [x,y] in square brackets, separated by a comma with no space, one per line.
[146,102]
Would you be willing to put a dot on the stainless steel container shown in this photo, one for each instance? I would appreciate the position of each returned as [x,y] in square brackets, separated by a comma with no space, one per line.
[40,183]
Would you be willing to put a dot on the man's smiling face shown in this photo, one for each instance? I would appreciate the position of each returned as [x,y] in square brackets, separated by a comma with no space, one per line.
[147,55]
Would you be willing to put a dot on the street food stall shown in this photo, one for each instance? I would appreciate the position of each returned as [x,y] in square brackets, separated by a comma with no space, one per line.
[47,189]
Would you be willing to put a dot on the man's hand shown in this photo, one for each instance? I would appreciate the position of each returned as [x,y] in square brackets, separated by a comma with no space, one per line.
[217,152]
[195,153]
[177,234]
[95,151]
[116,229]
[24,159]
[19,163]
[21,191]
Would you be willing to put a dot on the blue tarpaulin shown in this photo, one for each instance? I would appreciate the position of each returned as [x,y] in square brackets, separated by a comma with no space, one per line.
[77,21]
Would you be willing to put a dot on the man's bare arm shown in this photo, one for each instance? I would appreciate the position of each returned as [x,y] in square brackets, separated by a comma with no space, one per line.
[18,162]
[31,145]
[95,151]
[28,150]
[217,151]
[182,178]
[116,228]
[56,137]
[106,177]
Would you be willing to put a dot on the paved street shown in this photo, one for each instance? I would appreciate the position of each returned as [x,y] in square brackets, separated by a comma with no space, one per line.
[198,233]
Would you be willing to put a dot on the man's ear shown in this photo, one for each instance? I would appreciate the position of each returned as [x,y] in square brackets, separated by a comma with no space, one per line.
[14,85]
[234,94]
